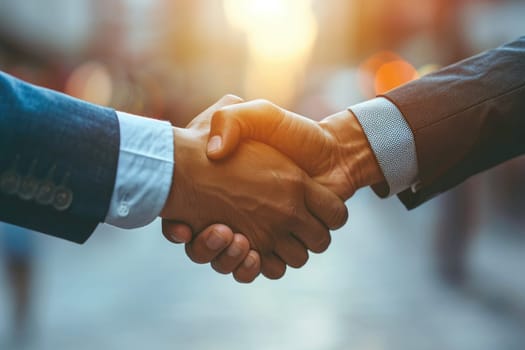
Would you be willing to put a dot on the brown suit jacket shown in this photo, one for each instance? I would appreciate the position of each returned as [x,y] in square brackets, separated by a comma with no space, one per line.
[465,118]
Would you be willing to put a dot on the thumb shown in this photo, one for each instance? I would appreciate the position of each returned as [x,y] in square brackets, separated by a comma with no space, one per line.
[258,120]
[176,232]
[204,117]
[225,135]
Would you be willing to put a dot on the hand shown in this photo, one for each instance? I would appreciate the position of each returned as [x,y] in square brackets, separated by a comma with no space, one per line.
[335,151]
[227,252]
[258,192]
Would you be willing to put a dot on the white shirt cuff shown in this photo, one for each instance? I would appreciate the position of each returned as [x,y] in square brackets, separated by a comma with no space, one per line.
[391,140]
[144,171]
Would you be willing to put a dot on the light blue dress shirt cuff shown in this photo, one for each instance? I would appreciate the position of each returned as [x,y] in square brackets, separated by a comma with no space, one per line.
[391,140]
[144,172]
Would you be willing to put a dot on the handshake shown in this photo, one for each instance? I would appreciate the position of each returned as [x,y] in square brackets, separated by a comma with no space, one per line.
[255,187]
[263,185]
[279,181]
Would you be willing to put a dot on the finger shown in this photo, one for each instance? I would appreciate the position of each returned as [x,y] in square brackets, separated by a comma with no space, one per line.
[272,266]
[312,233]
[209,243]
[291,251]
[325,205]
[227,261]
[249,269]
[268,123]
[257,120]
[176,232]
[204,117]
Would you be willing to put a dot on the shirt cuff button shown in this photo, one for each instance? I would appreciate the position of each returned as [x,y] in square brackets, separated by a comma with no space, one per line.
[123,209]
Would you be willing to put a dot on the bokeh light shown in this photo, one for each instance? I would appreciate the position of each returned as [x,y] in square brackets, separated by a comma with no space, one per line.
[280,36]
[393,74]
[384,71]
[91,81]
[277,30]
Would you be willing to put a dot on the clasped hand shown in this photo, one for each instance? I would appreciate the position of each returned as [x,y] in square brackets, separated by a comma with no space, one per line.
[276,178]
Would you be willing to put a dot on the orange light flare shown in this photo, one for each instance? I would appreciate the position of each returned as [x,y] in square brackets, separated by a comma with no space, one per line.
[384,71]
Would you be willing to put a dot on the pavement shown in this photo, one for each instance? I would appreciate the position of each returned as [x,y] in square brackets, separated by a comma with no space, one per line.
[375,288]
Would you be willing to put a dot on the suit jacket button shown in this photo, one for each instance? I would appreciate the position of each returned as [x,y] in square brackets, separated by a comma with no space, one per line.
[9,182]
[28,188]
[63,198]
[46,193]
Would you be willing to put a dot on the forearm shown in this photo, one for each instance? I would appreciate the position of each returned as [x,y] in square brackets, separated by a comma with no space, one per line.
[58,160]
[68,165]
[465,118]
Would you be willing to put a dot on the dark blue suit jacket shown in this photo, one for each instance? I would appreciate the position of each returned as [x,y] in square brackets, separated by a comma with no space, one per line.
[58,160]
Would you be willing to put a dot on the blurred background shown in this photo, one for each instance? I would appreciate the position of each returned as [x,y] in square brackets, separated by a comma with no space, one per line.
[447,275]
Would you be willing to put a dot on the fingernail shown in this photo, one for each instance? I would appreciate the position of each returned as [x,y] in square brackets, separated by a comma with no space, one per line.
[233,251]
[214,144]
[249,262]
[215,241]
[176,239]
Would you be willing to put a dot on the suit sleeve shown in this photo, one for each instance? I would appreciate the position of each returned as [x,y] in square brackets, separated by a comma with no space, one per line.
[58,160]
[465,118]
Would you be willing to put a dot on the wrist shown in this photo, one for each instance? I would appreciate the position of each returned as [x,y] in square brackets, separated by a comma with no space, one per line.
[144,171]
[354,149]
[168,206]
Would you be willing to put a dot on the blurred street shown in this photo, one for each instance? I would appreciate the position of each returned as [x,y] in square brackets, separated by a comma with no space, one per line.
[448,275]
[375,288]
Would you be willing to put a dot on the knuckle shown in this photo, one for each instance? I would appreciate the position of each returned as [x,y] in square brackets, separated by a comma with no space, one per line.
[262,102]
[230,98]
[262,240]
[265,105]
[218,115]
[289,213]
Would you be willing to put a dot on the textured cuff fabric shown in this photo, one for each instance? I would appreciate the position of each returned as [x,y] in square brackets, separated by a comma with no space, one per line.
[144,173]
[391,140]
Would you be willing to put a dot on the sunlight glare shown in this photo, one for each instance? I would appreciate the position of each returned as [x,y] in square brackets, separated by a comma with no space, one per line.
[280,36]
